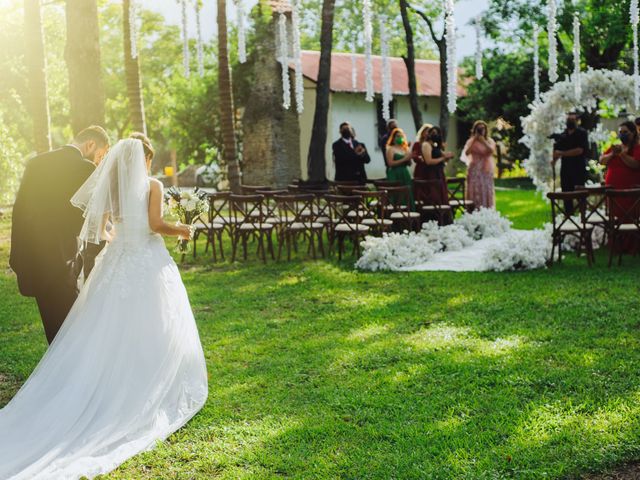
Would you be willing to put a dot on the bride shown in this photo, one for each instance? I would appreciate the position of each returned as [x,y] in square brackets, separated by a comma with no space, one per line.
[126,369]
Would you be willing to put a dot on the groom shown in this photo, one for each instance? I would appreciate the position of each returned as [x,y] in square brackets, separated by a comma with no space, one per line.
[45,226]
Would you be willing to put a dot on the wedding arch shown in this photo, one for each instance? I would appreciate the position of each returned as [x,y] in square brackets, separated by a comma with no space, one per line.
[548,114]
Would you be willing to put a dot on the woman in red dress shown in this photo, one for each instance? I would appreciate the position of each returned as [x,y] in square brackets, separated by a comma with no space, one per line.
[623,169]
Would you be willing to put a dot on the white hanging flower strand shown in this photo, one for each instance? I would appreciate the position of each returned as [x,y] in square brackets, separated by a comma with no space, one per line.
[199,40]
[185,39]
[478,27]
[297,56]
[354,68]
[635,17]
[133,28]
[284,60]
[536,63]
[242,41]
[552,28]
[387,95]
[368,47]
[576,55]
[452,73]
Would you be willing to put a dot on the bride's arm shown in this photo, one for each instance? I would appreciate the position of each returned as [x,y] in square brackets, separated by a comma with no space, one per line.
[107,235]
[156,222]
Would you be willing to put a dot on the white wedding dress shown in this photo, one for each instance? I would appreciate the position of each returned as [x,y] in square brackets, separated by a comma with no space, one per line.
[127,368]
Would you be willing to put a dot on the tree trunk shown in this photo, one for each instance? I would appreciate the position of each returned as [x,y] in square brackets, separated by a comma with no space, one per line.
[37,75]
[225,92]
[410,63]
[444,92]
[82,54]
[132,74]
[316,161]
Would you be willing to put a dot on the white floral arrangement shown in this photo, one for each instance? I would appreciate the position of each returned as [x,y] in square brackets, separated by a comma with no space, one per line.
[513,253]
[395,251]
[484,223]
[549,113]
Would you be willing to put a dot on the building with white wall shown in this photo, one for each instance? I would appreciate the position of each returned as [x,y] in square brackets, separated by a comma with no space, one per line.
[347,103]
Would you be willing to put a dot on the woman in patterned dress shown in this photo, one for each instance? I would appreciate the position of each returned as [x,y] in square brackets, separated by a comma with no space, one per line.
[478,154]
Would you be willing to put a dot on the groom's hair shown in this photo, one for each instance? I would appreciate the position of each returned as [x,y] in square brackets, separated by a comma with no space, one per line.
[93,133]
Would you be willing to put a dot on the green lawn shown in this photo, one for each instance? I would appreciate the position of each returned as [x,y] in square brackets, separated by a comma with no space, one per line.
[318,371]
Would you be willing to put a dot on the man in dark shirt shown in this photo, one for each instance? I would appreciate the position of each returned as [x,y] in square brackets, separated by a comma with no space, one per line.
[350,156]
[572,146]
[382,141]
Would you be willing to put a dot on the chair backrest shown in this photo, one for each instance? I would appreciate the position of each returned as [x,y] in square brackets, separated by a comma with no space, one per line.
[399,196]
[339,208]
[349,189]
[624,207]
[270,204]
[249,189]
[456,188]
[295,208]
[560,217]
[219,208]
[381,184]
[597,210]
[372,204]
[247,209]
[425,191]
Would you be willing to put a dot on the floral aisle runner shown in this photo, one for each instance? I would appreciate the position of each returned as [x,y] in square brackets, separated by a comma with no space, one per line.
[480,241]
[474,258]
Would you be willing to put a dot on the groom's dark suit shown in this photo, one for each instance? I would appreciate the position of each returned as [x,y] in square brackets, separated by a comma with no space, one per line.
[44,232]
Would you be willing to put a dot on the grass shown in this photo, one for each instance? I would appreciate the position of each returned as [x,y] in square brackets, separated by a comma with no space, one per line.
[318,371]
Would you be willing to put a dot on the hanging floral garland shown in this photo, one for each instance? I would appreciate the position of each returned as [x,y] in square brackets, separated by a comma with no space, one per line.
[283,55]
[133,28]
[242,38]
[452,73]
[387,94]
[552,28]
[185,39]
[368,47]
[478,27]
[536,63]
[297,56]
[576,55]
[198,7]
[635,16]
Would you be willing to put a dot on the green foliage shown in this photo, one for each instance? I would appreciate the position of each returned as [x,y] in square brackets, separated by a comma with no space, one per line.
[11,162]
[505,91]
[319,371]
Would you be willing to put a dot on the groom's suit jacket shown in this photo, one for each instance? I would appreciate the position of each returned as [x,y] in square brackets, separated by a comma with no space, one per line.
[45,225]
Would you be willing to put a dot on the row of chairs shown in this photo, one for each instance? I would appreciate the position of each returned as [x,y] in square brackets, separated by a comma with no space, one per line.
[344,211]
[617,212]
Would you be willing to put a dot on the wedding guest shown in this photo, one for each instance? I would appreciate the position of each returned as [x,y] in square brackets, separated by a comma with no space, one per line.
[478,154]
[637,122]
[384,139]
[350,156]
[430,159]
[572,146]
[623,161]
[399,154]
[623,171]
[45,226]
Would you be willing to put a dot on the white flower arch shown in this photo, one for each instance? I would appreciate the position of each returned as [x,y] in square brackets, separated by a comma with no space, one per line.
[548,114]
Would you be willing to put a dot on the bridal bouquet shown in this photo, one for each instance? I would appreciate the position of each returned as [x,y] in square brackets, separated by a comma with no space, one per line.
[187,206]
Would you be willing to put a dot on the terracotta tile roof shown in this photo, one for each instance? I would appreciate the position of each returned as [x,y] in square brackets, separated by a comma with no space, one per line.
[427,73]
[280,5]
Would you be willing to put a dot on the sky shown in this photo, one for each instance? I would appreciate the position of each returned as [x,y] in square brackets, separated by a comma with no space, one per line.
[466,10]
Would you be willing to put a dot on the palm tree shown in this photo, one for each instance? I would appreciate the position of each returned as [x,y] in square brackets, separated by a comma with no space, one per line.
[37,74]
[132,73]
[225,92]
[82,54]
[316,161]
